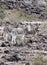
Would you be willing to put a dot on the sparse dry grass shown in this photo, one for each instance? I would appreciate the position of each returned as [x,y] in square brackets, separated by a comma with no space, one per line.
[39,60]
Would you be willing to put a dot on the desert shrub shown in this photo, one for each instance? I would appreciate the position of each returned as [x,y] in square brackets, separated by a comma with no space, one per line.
[3,6]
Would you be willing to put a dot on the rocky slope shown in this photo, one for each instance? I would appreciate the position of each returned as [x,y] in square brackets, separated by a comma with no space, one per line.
[21,42]
[23,32]
[31,9]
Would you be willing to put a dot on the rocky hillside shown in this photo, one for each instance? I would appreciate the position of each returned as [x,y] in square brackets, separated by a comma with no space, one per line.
[21,42]
[23,32]
[27,9]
